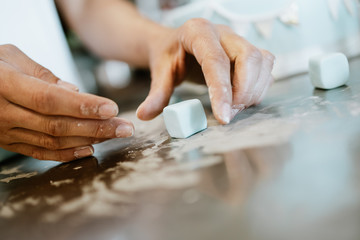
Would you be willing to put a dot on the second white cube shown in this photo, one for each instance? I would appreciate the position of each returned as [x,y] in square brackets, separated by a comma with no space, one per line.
[329,71]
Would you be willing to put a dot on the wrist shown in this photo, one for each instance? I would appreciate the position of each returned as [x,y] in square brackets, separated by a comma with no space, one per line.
[155,37]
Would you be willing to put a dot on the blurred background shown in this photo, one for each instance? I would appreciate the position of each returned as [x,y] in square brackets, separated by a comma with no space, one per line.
[294,30]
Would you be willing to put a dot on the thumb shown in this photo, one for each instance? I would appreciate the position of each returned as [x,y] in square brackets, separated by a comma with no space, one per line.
[162,86]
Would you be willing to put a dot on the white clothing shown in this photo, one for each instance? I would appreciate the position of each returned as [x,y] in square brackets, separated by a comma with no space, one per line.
[34,27]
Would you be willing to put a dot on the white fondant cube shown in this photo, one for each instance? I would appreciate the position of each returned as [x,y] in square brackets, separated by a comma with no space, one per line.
[185,118]
[329,71]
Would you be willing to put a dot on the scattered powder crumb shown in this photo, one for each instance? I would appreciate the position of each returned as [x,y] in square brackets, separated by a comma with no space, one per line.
[62,182]
[136,181]
[10,171]
[32,201]
[86,111]
[149,151]
[96,199]
[18,206]
[113,169]
[191,196]
[76,204]
[197,164]
[53,200]
[355,112]
[354,108]
[19,176]
[68,207]
[325,103]
[257,130]
[9,210]
[6,212]
[142,165]
[150,173]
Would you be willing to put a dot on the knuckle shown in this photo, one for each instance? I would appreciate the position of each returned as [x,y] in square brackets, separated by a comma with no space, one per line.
[43,101]
[94,140]
[6,119]
[268,55]
[61,156]
[215,59]
[41,155]
[50,143]
[226,28]
[8,49]
[6,138]
[195,23]
[55,127]
[8,74]
[254,55]
[37,154]
[217,56]
[99,131]
[43,73]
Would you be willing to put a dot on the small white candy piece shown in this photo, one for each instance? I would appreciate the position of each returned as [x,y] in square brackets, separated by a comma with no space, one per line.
[329,71]
[185,118]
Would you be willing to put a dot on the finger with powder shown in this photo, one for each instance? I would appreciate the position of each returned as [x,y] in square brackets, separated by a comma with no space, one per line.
[202,40]
[247,61]
[67,126]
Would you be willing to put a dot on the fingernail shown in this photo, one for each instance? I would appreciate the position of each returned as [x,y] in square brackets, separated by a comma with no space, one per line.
[83,152]
[67,85]
[124,130]
[226,113]
[108,111]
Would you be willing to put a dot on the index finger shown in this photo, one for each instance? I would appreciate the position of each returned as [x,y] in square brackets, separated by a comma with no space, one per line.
[51,99]
[201,39]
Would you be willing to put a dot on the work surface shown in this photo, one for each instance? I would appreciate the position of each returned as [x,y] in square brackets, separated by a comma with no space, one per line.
[286,169]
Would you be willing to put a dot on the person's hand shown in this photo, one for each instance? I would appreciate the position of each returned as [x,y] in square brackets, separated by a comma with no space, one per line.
[237,74]
[48,119]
